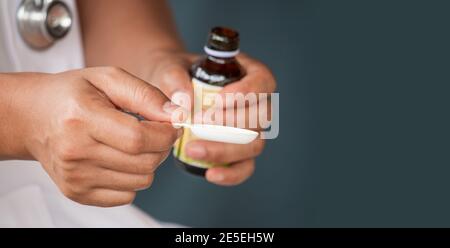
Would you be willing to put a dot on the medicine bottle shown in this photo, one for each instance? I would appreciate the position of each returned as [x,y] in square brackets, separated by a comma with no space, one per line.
[210,74]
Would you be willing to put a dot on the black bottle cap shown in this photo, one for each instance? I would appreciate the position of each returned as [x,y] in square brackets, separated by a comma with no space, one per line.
[223,39]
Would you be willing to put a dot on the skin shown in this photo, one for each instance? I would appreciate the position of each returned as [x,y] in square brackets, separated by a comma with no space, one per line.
[70,122]
[73,123]
[141,37]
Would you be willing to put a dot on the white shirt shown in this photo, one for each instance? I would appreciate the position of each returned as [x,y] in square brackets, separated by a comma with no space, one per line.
[28,197]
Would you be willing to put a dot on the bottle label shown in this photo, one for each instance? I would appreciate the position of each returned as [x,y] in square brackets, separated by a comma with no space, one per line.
[204,95]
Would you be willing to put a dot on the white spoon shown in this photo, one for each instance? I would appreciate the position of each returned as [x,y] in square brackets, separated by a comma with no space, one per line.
[222,134]
[216,133]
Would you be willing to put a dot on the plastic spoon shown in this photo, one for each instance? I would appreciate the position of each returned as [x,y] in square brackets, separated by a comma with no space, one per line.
[221,133]
[216,133]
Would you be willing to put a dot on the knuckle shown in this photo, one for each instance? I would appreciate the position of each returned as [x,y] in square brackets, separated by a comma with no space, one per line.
[69,152]
[128,198]
[170,138]
[144,182]
[71,192]
[74,184]
[163,156]
[136,141]
[149,95]
[258,147]
[67,177]
[66,167]
[73,116]
[159,159]
[266,75]
[174,74]
[146,93]
[272,84]
[113,71]
[165,139]
[79,190]
[173,135]
[215,154]
[66,192]
[112,74]
[144,168]
[270,78]
[149,162]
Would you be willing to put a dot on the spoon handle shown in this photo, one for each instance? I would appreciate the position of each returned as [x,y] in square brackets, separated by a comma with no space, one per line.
[186,125]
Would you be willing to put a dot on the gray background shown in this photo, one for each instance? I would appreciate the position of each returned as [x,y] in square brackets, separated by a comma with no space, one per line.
[364,138]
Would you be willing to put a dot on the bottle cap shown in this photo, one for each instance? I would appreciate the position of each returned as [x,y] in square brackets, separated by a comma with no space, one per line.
[223,42]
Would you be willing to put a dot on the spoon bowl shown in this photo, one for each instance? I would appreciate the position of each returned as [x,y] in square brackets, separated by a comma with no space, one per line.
[222,134]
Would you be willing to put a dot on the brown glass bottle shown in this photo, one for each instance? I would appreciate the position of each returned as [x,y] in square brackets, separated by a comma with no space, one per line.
[210,74]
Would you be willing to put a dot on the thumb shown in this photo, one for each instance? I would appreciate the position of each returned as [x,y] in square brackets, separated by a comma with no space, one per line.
[174,79]
[130,93]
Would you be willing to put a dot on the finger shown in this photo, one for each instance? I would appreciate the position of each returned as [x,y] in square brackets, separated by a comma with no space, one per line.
[142,164]
[256,117]
[105,198]
[91,175]
[233,175]
[125,133]
[108,179]
[158,137]
[174,78]
[222,152]
[130,93]
[113,128]
[258,79]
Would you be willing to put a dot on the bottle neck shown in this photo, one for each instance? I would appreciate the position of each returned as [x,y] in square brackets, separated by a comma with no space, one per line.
[220,61]
[221,54]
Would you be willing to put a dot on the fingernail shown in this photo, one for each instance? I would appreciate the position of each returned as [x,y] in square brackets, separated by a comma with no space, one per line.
[196,151]
[179,93]
[170,108]
[172,111]
[182,98]
[216,177]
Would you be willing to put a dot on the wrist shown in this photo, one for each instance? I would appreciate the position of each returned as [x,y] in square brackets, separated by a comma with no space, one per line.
[16,104]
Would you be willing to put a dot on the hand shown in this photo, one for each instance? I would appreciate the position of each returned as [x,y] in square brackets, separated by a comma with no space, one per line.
[95,153]
[170,74]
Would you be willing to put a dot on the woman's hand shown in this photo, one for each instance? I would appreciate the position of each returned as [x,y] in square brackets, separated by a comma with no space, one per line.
[96,154]
[169,72]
